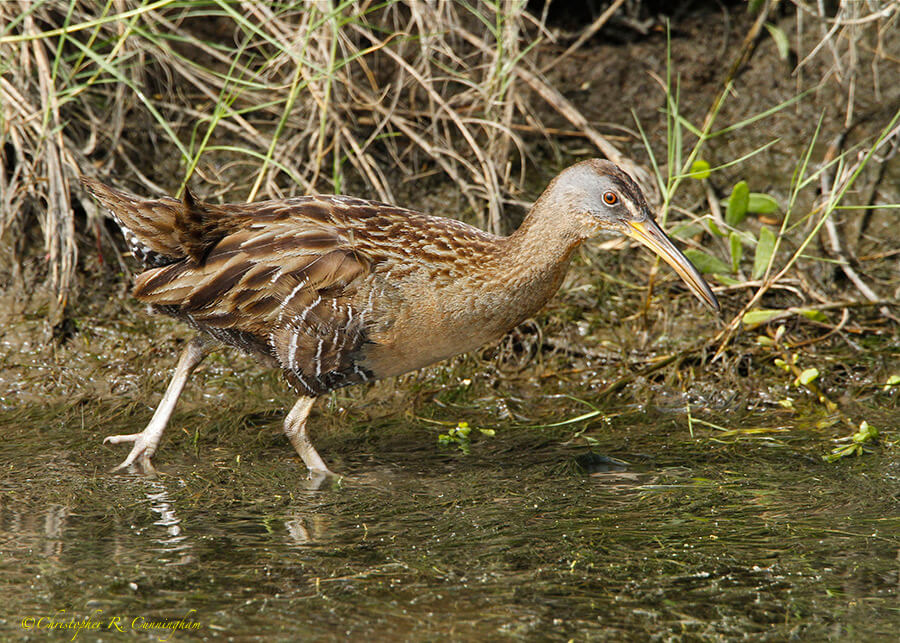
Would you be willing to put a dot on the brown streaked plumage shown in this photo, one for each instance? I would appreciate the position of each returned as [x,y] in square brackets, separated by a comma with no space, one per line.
[336,290]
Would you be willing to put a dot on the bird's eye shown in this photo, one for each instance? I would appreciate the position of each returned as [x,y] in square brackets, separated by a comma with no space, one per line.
[610,198]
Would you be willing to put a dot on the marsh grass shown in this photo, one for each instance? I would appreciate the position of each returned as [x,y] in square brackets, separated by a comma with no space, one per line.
[258,99]
[270,99]
[824,186]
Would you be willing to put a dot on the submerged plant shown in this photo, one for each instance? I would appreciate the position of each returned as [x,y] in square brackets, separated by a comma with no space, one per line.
[853,445]
[461,436]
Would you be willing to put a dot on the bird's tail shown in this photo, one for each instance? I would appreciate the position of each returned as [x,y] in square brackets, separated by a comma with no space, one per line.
[149,226]
[162,231]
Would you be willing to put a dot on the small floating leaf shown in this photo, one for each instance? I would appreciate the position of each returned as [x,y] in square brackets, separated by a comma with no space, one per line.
[864,435]
[866,432]
[704,262]
[737,250]
[842,452]
[808,376]
[764,249]
[738,202]
[757,317]
[893,380]
[461,430]
[760,203]
[700,169]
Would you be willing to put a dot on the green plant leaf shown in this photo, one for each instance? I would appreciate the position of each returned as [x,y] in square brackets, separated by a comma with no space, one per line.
[700,169]
[736,210]
[725,280]
[781,41]
[756,317]
[706,263]
[866,433]
[813,314]
[809,376]
[714,228]
[685,230]
[761,203]
[737,250]
[764,249]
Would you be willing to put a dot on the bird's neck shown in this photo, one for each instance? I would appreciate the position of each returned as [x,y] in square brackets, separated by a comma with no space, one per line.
[540,245]
[531,263]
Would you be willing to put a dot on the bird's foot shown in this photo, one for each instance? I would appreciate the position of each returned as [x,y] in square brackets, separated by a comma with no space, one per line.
[145,444]
[318,477]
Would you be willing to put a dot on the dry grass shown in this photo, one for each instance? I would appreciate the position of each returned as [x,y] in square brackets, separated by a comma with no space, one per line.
[840,36]
[261,99]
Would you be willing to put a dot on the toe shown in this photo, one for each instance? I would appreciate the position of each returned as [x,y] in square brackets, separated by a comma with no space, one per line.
[117,439]
[140,453]
[147,466]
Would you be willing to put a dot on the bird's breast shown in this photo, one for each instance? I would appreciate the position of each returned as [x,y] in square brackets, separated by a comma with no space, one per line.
[423,318]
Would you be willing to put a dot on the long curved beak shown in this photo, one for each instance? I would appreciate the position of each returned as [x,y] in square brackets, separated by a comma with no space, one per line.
[651,235]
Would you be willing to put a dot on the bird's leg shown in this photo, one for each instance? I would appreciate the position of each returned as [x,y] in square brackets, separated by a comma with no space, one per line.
[146,441]
[295,429]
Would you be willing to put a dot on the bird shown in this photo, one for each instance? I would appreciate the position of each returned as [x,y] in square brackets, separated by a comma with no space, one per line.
[336,290]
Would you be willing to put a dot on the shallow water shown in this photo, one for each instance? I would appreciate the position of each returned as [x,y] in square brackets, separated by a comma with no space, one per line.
[527,536]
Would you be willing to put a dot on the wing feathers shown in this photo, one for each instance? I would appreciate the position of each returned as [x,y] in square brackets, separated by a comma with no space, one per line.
[286,288]
[274,278]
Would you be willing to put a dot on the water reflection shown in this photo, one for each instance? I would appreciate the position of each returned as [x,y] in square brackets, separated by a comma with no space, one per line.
[176,548]
[306,529]
[24,530]
[54,528]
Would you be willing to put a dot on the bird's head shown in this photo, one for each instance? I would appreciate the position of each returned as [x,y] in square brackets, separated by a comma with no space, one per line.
[598,196]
